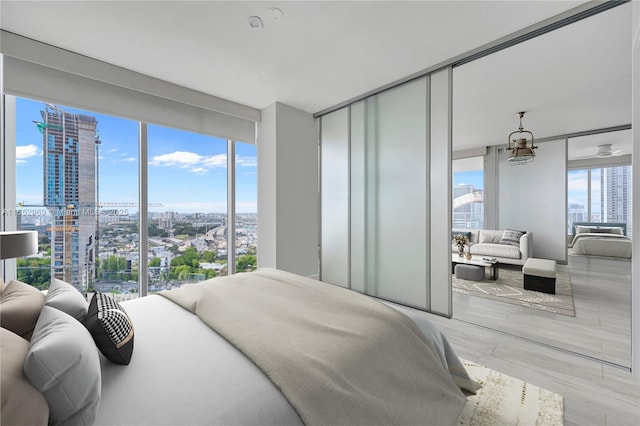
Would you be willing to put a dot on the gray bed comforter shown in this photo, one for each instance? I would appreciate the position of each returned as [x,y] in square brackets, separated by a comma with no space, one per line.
[183,373]
[339,357]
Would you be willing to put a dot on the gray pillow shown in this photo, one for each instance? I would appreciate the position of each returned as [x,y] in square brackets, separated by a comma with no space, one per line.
[64,365]
[20,305]
[511,237]
[22,404]
[67,298]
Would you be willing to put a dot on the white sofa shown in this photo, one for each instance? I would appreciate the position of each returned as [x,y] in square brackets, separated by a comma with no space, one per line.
[486,243]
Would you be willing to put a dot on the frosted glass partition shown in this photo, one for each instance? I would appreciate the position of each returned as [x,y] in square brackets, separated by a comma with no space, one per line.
[440,193]
[396,194]
[335,198]
[358,224]
[381,175]
[524,194]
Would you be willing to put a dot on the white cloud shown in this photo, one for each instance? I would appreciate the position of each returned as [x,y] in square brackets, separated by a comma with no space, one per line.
[246,161]
[196,163]
[219,160]
[130,159]
[180,159]
[24,152]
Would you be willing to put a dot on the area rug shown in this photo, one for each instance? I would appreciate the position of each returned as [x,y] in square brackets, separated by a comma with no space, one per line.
[509,288]
[505,400]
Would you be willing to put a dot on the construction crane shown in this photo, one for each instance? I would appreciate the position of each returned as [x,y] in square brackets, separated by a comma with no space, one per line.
[41,126]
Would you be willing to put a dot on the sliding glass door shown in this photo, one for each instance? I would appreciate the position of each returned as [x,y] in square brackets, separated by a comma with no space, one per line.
[378,179]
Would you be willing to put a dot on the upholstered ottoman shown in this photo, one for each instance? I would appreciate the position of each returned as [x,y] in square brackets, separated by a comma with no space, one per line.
[469,272]
[540,275]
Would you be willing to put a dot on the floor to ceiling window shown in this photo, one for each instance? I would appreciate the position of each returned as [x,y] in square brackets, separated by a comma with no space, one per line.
[246,207]
[77,185]
[187,207]
[600,195]
[468,193]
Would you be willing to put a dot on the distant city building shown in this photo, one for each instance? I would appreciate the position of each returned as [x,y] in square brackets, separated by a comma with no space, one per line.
[468,207]
[166,220]
[576,213]
[615,194]
[69,161]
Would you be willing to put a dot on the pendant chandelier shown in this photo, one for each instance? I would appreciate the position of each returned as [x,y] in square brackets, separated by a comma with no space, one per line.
[519,151]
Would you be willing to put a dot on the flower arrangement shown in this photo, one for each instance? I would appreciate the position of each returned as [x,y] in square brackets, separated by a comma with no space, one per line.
[460,240]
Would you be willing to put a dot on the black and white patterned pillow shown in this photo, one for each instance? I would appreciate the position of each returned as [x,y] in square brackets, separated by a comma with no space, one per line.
[511,237]
[110,328]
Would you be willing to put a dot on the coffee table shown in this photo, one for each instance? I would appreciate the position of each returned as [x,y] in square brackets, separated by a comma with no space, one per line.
[477,261]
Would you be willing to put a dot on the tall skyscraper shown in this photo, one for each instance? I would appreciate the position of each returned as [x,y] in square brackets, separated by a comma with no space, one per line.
[69,154]
[615,194]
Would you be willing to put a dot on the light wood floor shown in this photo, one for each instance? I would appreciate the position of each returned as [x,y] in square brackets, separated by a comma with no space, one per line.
[602,325]
[595,392]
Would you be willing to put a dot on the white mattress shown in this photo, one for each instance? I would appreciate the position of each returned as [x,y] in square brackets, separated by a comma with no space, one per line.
[183,373]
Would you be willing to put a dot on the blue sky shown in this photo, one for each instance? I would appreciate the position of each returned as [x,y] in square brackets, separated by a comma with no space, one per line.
[187,171]
[473,177]
[576,184]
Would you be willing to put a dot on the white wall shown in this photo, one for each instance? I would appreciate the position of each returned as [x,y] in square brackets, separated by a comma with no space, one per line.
[635,273]
[532,198]
[288,190]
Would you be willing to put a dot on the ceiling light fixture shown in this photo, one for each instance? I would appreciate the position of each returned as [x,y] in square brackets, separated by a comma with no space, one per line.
[519,152]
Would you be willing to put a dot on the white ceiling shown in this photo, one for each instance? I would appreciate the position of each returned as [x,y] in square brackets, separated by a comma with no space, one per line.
[323,53]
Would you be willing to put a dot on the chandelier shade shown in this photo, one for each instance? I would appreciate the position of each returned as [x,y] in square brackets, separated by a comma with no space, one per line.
[520,150]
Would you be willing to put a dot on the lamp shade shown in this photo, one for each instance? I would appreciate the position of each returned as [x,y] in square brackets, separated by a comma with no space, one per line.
[18,243]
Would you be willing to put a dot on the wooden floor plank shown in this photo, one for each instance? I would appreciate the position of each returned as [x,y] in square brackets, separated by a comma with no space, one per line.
[579,357]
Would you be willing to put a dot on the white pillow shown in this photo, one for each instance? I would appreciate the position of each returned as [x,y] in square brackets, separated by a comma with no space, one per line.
[64,365]
[67,298]
[582,229]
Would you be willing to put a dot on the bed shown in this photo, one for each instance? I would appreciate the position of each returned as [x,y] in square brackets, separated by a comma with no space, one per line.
[286,350]
[600,239]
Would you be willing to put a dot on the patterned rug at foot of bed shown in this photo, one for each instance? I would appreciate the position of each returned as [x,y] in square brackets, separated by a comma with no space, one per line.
[505,400]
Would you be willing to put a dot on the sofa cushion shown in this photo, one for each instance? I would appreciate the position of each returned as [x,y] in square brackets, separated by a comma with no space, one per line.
[490,236]
[511,237]
[495,250]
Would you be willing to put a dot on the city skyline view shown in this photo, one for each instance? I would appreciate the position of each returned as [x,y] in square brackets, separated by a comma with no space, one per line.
[179,164]
[77,185]
[597,194]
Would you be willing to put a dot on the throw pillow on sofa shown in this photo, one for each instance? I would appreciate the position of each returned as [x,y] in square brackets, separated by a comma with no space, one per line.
[511,237]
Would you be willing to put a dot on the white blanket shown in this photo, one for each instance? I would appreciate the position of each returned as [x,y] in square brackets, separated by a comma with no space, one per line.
[339,357]
[597,244]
